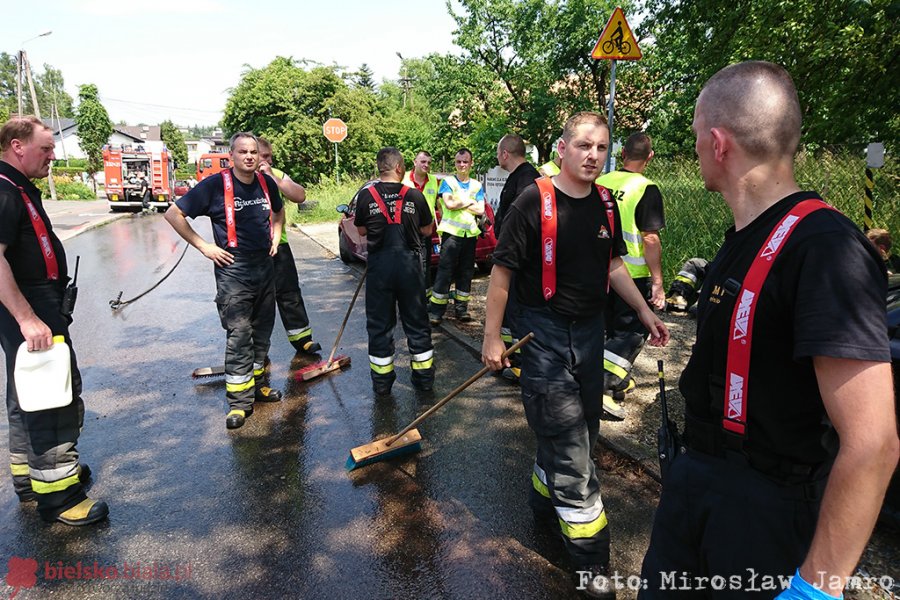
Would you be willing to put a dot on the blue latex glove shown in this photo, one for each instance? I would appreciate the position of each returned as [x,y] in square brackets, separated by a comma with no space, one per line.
[800,589]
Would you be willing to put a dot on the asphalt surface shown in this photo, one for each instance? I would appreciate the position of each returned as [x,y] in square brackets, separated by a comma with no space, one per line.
[269,510]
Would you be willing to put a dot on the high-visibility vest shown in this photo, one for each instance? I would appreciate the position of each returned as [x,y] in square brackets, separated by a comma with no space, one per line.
[549,169]
[460,223]
[628,189]
[429,190]
[276,175]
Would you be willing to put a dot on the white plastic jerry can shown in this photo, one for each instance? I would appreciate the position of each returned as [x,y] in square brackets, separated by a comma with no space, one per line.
[44,378]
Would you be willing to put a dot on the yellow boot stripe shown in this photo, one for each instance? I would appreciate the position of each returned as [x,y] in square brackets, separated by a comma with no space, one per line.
[240,387]
[539,486]
[614,369]
[48,487]
[18,469]
[236,412]
[575,531]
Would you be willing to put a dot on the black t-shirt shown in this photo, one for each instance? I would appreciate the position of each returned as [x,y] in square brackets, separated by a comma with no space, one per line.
[251,211]
[23,252]
[649,214]
[823,297]
[521,177]
[416,214]
[584,246]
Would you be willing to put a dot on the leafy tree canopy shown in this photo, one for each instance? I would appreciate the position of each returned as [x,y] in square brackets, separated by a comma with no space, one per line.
[174,141]
[94,126]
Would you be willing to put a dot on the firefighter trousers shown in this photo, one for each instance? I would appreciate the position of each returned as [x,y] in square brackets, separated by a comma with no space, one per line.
[689,279]
[427,250]
[561,387]
[456,265]
[742,529]
[42,451]
[245,297]
[625,337]
[289,298]
[394,283]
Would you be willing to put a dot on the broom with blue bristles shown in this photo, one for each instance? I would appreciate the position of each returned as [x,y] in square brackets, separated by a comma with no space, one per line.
[409,439]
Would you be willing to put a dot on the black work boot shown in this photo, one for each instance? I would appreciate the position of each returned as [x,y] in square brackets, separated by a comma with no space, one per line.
[85,512]
[264,393]
[382,383]
[593,581]
[307,347]
[462,313]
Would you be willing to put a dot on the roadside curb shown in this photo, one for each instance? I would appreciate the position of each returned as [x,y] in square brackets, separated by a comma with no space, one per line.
[619,443]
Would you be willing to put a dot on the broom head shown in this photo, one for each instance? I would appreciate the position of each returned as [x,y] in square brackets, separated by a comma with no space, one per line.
[207,372]
[317,369]
[376,451]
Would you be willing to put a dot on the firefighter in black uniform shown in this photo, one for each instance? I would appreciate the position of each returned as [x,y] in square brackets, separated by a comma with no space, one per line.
[393,217]
[288,296]
[563,239]
[511,158]
[247,217]
[42,453]
[789,412]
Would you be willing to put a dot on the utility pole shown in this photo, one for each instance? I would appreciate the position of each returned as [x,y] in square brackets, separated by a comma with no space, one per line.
[19,80]
[37,113]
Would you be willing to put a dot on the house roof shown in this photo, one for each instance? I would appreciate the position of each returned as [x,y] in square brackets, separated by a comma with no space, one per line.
[147,133]
[66,123]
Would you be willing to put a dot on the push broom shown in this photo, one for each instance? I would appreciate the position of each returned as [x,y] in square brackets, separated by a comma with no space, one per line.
[333,363]
[409,439]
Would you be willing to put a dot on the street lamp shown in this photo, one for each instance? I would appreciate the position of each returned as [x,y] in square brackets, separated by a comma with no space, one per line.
[21,70]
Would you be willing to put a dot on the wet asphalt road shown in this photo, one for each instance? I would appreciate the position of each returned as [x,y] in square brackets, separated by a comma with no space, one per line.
[269,510]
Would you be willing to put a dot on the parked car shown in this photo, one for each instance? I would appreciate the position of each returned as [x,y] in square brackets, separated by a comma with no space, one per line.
[353,246]
[181,188]
[890,512]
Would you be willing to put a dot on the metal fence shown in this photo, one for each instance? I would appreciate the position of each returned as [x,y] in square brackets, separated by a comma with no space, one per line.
[696,219]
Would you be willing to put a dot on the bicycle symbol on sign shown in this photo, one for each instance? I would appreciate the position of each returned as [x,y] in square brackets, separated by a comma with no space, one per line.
[617,41]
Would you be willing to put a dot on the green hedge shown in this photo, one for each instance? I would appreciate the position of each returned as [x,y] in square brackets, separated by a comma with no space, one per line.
[66,189]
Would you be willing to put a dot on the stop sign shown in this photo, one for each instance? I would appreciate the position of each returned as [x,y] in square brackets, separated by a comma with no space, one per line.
[335,130]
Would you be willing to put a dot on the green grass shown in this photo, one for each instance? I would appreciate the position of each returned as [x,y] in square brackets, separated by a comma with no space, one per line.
[327,195]
[696,219]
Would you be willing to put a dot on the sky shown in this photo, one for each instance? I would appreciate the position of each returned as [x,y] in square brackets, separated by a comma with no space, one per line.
[176,59]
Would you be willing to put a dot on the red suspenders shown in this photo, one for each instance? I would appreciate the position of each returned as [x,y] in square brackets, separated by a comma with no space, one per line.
[43,236]
[229,206]
[548,232]
[398,205]
[737,369]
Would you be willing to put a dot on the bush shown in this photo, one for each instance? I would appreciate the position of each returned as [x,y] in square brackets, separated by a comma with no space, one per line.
[66,189]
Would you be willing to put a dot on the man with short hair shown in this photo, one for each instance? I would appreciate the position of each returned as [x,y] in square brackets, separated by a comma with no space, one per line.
[462,200]
[33,275]
[247,216]
[418,177]
[288,296]
[393,218]
[511,158]
[641,207]
[563,239]
[789,411]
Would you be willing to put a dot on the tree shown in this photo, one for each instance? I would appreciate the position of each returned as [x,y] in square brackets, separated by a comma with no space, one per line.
[174,141]
[48,87]
[842,54]
[364,78]
[51,90]
[94,126]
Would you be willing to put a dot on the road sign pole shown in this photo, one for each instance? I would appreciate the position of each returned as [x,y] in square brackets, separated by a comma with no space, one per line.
[612,104]
[337,170]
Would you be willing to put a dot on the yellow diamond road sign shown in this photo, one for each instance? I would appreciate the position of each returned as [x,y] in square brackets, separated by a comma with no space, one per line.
[617,42]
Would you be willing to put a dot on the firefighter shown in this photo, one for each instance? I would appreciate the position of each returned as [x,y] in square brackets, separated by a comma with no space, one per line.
[288,296]
[418,177]
[511,158]
[789,411]
[247,217]
[563,239]
[685,289]
[641,207]
[42,453]
[144,191]
[462,202]
[394,217]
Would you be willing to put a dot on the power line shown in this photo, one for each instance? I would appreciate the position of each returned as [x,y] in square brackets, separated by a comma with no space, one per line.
[108,99]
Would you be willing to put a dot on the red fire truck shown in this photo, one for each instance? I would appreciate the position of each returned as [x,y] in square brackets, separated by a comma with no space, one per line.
[123,164]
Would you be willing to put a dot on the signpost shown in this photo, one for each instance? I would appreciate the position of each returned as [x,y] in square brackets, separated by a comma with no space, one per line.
[494,180]
[335,130]
[616,42]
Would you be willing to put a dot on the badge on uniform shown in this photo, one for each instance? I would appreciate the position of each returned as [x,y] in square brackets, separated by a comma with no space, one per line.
[603,234]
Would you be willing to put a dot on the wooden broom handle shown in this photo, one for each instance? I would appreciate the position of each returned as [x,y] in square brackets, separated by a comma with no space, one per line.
[337,340]
[459,389]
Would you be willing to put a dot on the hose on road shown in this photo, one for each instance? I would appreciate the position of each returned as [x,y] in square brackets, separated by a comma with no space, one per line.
[118,303]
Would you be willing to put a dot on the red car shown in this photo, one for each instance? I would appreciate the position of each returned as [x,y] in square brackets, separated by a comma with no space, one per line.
[181,188]
[353,246]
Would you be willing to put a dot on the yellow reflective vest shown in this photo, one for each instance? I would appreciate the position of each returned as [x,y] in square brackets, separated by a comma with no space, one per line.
[628,189]
[460,223]
[430,191]
[549,169]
